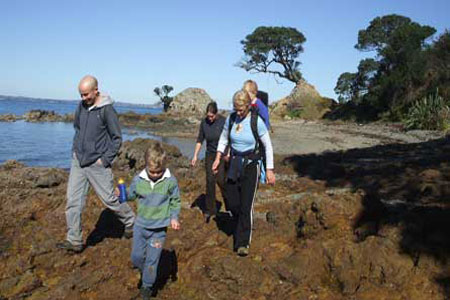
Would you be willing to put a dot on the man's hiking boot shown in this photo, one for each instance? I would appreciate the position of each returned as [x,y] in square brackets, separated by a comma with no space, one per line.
[128,233]
[147,293]
[242,251]
[208,217]
[66,245]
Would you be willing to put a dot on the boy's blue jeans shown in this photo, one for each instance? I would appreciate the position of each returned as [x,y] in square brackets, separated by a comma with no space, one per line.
[146,252]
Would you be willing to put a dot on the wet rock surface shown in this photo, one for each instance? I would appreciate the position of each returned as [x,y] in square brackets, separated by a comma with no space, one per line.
[367,223]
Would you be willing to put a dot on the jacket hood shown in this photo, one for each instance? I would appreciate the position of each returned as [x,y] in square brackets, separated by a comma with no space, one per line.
[105,100]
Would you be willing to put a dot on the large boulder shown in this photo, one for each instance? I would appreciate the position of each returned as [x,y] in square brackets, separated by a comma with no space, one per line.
[131,157]
[303,102]
[191,101]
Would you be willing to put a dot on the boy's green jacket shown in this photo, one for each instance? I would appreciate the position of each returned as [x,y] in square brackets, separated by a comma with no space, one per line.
[158,202]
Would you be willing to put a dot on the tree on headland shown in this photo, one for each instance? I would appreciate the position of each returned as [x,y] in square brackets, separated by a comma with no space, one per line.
[163,94]
[273,50]
[398,74]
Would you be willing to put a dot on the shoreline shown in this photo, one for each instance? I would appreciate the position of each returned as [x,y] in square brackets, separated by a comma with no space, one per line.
[288,137]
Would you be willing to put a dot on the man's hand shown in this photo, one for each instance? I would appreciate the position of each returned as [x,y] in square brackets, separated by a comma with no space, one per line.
[117,192]
[270,177]
[99,162]
[174,224]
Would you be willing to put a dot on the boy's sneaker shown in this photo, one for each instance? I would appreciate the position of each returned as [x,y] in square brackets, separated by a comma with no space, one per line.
[147,293]
[66,245]
[242,251]
[128,232]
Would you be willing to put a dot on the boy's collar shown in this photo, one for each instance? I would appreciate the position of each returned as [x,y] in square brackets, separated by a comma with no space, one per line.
[144,175]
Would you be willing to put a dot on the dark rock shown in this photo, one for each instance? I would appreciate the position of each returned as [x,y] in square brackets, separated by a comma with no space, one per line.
[50,178]
[271,218]
[131,155]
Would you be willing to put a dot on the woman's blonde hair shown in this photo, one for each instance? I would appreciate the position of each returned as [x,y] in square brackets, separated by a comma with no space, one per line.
[155,156]
[241,98]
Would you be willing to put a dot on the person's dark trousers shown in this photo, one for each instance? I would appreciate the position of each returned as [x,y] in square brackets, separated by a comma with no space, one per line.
[241,195]
[211,181]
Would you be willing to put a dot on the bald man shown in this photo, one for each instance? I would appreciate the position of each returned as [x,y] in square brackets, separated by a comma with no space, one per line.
[96,143]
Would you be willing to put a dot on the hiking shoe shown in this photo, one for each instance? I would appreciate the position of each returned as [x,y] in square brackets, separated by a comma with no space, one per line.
[208,217]
[242,251]
[146,293]
[128,233]
[66,245]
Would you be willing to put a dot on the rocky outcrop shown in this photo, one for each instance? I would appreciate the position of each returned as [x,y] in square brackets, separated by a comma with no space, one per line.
[46,116]
[168,124]
[38,115]
[304,102]
[8,118]
[190,102]
[131,157]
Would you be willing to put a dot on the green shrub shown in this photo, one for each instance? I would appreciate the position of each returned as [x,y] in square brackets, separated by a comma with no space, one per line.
[294,114]
[294,110]
[431,113]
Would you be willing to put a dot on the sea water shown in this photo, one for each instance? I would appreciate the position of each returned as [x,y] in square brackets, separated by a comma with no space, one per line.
[49,144]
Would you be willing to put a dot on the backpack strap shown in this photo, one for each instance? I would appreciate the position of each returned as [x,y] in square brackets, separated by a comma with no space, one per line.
[77,115]
[102,114]
[259,150]
[231,121]
[254,126]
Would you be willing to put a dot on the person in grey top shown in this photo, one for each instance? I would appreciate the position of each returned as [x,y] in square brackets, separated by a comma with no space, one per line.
[210,130]
[96,143]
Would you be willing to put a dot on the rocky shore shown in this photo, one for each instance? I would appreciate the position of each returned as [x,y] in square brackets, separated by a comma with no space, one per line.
[37,115]
[369,222]
[170,124]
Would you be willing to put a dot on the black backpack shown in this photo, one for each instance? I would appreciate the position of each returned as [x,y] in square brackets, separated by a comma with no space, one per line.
[264,97]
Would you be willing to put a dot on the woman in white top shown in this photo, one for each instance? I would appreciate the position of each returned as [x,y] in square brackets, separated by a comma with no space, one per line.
[244,172]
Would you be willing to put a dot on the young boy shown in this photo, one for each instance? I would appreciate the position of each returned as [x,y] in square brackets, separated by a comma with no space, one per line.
[157,192]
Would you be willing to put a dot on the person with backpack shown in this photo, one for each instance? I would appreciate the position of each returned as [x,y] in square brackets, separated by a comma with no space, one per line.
[96,143]
[246,134]
[251,88]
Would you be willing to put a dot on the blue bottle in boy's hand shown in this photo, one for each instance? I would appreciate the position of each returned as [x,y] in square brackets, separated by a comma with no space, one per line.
[123,191]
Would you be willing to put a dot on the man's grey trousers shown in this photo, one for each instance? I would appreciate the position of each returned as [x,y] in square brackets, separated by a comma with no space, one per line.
[101,179]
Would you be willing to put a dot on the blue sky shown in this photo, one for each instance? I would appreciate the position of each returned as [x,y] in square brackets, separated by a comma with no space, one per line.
[134,46]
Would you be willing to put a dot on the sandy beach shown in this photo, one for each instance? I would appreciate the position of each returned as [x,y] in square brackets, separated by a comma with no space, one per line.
[302,137]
